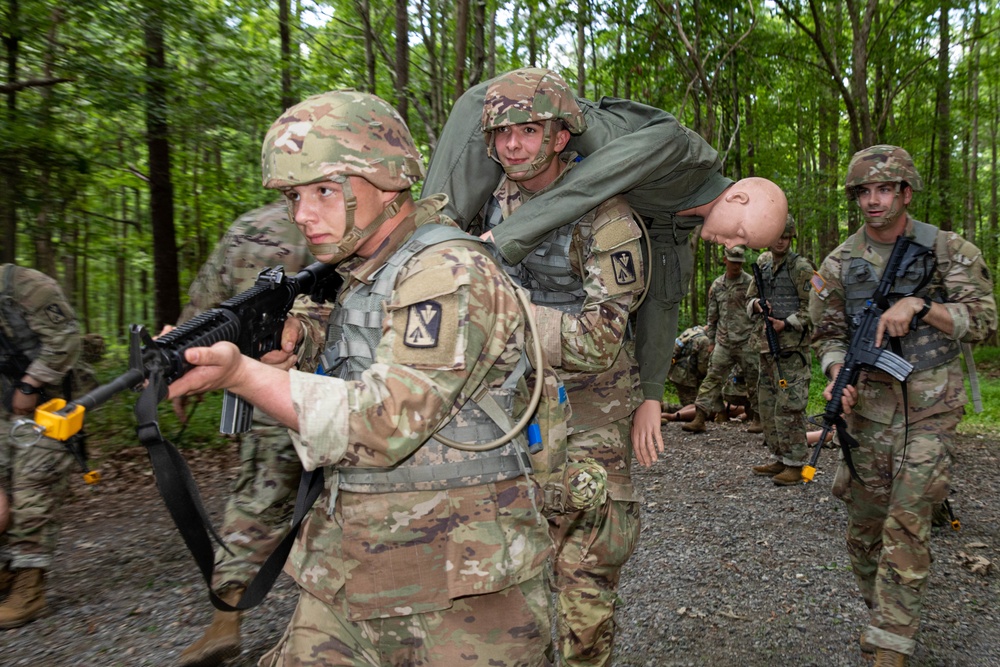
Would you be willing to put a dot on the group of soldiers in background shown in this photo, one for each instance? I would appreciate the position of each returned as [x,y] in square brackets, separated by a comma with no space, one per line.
[393,371]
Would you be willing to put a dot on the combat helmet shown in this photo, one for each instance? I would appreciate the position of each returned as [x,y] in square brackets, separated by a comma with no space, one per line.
[791,229]
[881,164]
[337,134]
[530,95]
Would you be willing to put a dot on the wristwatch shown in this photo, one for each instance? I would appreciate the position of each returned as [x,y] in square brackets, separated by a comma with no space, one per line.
[926,309]
[27,388]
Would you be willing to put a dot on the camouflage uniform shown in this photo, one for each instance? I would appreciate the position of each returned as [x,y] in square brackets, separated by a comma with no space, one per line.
[434,571]
[258,508]
[689,364]
[582,310]
[783,411]
[728,328]
[661,167]
[904,460]
[35,315]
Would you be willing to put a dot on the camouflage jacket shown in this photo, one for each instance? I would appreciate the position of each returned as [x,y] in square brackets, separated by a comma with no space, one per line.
[728,323]
[968,287]
[798,329]
[257,240]
[586,346]
[690,361]
[39,302]
[412,552]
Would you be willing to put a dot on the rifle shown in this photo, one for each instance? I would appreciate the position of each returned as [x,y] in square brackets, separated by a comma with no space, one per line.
[254,321]
[862,352]
[773,346]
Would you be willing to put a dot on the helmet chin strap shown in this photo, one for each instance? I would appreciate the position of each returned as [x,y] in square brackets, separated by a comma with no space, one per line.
[523,172]
[353,236]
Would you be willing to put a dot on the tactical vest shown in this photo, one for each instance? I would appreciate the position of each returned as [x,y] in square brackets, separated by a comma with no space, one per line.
[546,272]
[19,338]
[686,357]
[354,333]
[784,295]
[925,346]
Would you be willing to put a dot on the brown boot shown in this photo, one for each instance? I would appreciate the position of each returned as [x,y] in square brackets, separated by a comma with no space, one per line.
[221,639]
[771,469]
[755,425]
[26,601]
[790,476]
[886,658]
[866,648]
[697,425]
[6,579]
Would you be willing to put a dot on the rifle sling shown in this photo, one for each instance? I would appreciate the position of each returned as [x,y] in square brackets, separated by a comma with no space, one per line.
[180,495]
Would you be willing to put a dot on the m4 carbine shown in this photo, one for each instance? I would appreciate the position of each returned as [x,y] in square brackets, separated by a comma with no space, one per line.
[863,353]
[773,346]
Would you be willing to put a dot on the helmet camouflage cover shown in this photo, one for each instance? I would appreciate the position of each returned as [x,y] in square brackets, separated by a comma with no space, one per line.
[531,95]
[336,134]
[790,228]
[881,164]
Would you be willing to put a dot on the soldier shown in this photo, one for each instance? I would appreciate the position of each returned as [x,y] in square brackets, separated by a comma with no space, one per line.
[689,365]
[40,345]
[906,441]
[669,175]
[584,279]
[783,408]
[416,553]
[258,508]
[728,329]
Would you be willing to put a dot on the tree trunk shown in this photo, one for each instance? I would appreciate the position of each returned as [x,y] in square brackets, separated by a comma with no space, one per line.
[581,48]
[161,189]
[478,41]
[973,145]
[402,60]
[9,165]
[284,32]
[944,122]
[461,44]
[365,12]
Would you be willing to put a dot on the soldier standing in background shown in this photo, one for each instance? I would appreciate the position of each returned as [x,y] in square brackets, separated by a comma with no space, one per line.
[728,329]
[416,552]
[783,408]
[259,507]
[41,343]
[906,441]
[689,365]
[583,280]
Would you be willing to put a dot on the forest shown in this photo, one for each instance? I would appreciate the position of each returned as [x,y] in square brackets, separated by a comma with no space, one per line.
[131,129]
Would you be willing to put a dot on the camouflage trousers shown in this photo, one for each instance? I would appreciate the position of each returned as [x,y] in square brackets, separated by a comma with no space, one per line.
[37,479]
[260,507]
[889,520]
[724,358]
[592,546]
[503,629]
[686,394]
[783,411]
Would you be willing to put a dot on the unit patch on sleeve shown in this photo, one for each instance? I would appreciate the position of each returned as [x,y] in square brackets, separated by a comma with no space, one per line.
[423,325]
[624,267]
[55,313]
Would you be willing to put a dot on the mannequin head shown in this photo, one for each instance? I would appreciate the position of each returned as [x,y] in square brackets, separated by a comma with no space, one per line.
[751,212]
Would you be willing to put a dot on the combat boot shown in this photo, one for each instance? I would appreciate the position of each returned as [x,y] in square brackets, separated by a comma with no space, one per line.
[866,648]
[755,425]
[697,425]
[221,639]
[6,579]
[886,658]
[771,469]
[26,601]
[790,476]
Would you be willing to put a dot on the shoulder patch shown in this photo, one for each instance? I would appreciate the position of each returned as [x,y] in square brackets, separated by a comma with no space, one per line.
[423,325]
[55,313]
[817,282]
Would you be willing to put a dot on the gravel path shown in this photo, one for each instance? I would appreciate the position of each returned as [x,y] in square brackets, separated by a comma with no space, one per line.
[730,570]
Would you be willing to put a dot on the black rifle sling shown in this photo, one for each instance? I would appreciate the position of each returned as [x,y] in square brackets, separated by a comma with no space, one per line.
[180,495]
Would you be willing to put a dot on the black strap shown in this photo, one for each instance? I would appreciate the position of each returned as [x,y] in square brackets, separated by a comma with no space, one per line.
[182,499]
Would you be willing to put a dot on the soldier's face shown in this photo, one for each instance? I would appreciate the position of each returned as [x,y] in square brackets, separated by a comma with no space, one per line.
[883,203]
[519,145]
[320,213]
[780,247]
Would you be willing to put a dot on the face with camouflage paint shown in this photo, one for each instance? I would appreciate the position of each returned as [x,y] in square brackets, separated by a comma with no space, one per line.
[883,204]
[319,211]
[520,145]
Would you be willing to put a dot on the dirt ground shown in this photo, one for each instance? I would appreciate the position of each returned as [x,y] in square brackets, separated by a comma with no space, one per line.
[730,570]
